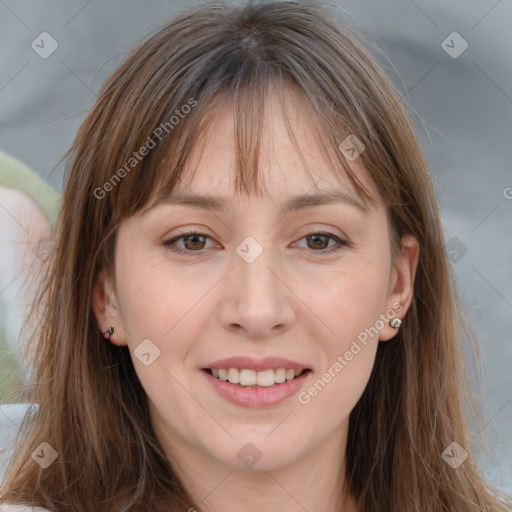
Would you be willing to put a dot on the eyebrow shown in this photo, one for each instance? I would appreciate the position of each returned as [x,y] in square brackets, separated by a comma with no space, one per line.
[292,204]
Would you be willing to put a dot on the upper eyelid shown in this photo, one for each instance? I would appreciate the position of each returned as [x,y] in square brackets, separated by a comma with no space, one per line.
[308,233]
[340,239]
[310,230]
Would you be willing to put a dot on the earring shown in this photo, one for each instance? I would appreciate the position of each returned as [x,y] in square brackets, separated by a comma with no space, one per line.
[396,323]
[109,332]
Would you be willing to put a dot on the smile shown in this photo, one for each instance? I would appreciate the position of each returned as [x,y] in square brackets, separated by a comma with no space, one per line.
[251,378]
[256,389]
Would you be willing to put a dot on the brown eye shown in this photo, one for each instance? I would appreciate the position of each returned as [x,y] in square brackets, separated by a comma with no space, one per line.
[192,242]
[319,242]
[195,242]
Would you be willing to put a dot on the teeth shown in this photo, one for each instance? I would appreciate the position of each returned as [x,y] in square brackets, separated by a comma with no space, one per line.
[264,378]
[234,376]
[280,375]
[246,377]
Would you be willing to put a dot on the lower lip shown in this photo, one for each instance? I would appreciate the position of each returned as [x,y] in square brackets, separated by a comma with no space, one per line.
[257,397]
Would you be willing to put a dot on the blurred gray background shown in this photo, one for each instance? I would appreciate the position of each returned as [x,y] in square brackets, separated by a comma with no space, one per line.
[462,98]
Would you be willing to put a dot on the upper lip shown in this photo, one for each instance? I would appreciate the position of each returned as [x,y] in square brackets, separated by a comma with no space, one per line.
[250,363]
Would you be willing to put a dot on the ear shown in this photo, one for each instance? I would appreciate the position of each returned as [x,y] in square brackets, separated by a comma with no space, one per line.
[106,309]
[401,284]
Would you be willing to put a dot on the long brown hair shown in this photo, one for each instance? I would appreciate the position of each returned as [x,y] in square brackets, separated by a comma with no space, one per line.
[92,408]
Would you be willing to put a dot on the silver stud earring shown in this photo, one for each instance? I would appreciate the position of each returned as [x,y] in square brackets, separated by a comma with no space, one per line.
[395,323]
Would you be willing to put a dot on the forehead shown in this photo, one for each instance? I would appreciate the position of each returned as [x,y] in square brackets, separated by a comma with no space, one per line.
[291,161]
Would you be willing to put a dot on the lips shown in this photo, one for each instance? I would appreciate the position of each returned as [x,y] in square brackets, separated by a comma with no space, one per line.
[256,397]
[250,363]
[264,378]
[249,382]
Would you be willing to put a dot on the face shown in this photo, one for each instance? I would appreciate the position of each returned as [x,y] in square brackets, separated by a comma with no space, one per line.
[312,287]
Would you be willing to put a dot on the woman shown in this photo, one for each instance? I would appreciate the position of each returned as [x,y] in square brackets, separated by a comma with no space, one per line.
[249,305]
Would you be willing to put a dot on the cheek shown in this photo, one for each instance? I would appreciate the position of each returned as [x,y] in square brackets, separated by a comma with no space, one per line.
[350,298]
[167,310]
[350,305]
[147,291]
[165,306]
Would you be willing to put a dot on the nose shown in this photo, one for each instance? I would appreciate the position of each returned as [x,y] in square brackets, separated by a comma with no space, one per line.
[258,302]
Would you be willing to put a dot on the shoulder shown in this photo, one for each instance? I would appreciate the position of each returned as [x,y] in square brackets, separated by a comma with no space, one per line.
[20,508]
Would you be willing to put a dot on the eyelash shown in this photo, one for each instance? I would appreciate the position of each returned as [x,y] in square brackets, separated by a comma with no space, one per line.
[169,243]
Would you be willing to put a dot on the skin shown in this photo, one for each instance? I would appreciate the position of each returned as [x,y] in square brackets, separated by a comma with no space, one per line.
[295,301]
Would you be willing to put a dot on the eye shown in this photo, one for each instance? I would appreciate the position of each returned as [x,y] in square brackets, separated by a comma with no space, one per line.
[195,242]
[321,240]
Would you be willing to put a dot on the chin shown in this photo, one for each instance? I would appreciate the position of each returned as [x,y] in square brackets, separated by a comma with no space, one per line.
[257,452]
